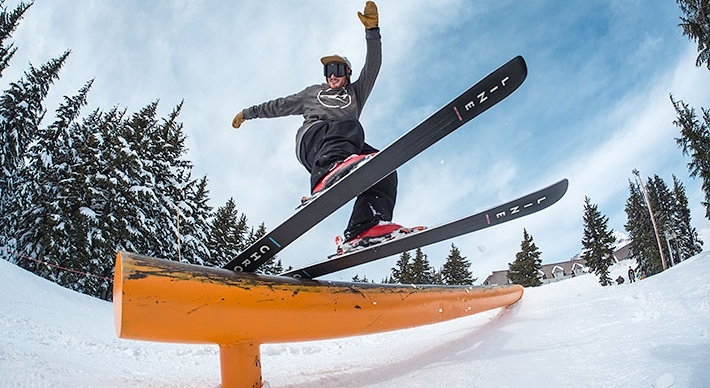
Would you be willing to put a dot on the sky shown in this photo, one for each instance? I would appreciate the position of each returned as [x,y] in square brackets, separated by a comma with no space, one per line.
[573,333]
[594,107]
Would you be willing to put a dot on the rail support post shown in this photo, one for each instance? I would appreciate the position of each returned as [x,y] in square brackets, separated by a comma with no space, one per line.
[240,364]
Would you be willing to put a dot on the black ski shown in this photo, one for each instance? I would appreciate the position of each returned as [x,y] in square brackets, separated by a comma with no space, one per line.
[476,100]
[508,211]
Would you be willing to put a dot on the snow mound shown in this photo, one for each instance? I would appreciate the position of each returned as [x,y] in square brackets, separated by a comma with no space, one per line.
[651,333]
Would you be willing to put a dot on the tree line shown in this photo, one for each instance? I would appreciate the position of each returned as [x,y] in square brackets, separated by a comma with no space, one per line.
[678,239]
[78,189]
[658,217]
[418,270]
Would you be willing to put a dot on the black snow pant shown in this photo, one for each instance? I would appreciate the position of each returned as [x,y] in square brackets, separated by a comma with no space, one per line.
[325,144]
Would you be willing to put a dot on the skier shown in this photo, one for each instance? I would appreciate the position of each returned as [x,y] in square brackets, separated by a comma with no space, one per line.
[632,275]
[331,140]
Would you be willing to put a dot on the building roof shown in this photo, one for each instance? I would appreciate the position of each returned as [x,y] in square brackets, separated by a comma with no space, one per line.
[556,270]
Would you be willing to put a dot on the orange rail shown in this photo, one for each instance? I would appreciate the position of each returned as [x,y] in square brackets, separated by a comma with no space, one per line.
[161,300]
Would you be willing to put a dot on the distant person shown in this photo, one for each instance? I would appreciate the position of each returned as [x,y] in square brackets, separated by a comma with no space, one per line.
[331,140]
[620,280]
[632,275]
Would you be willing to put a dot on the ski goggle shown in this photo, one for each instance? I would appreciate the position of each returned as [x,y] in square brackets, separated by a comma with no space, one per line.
[335,68]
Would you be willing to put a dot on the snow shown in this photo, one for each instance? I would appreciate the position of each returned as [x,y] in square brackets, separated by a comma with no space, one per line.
[652,333]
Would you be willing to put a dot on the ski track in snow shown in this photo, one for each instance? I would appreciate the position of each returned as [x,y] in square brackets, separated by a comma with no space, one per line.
[653,333]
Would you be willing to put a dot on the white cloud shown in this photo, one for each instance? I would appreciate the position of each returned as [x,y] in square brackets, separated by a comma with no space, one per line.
[591,110]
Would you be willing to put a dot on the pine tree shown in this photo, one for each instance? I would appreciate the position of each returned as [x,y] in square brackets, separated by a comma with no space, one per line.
[8,24]
[644,247]
[179,194]
[227,235]
[695,135]
[420,270]
[526,268]
[122,186]
[437,277]
[695,142]
[686,237]
[155,218]
[662,203]
[80,214]
[73,193]
[51,164]
[193,225]
[157,187]
[357,279]
[21,111]
[598,242]
[456,269]
[401,273]
[696,26]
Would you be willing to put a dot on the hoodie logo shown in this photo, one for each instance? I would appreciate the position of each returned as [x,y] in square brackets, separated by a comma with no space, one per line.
[331,98]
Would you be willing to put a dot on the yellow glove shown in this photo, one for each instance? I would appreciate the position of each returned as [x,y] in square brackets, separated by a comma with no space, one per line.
[370,19]
[238,120]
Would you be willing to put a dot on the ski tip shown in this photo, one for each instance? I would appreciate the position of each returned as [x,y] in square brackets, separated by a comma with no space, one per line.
[560,188]
[565,183]
[521,62]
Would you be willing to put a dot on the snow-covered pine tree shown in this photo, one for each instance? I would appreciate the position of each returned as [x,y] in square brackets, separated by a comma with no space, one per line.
[21,111]
[227,234]
[696,26]
[686,243]
[43,225]
[597,242]
[694,141]
[437,278]
[193,222]
[525,269]
[182,202]
[8,24]
[456,269]
[644,247]
[155,218]
[115,185]
[150,157]
[104,203]
[180,193]
[662,203]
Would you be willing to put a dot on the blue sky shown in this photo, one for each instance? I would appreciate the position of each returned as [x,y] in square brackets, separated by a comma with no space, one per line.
[594,107]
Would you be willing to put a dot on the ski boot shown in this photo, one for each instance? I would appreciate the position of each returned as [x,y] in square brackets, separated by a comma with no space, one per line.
[336,173]
[378,234]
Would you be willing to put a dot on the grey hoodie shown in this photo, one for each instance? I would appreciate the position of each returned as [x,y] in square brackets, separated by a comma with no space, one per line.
[319,103]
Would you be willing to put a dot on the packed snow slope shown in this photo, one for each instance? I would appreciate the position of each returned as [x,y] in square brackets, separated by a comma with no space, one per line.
[574,333]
